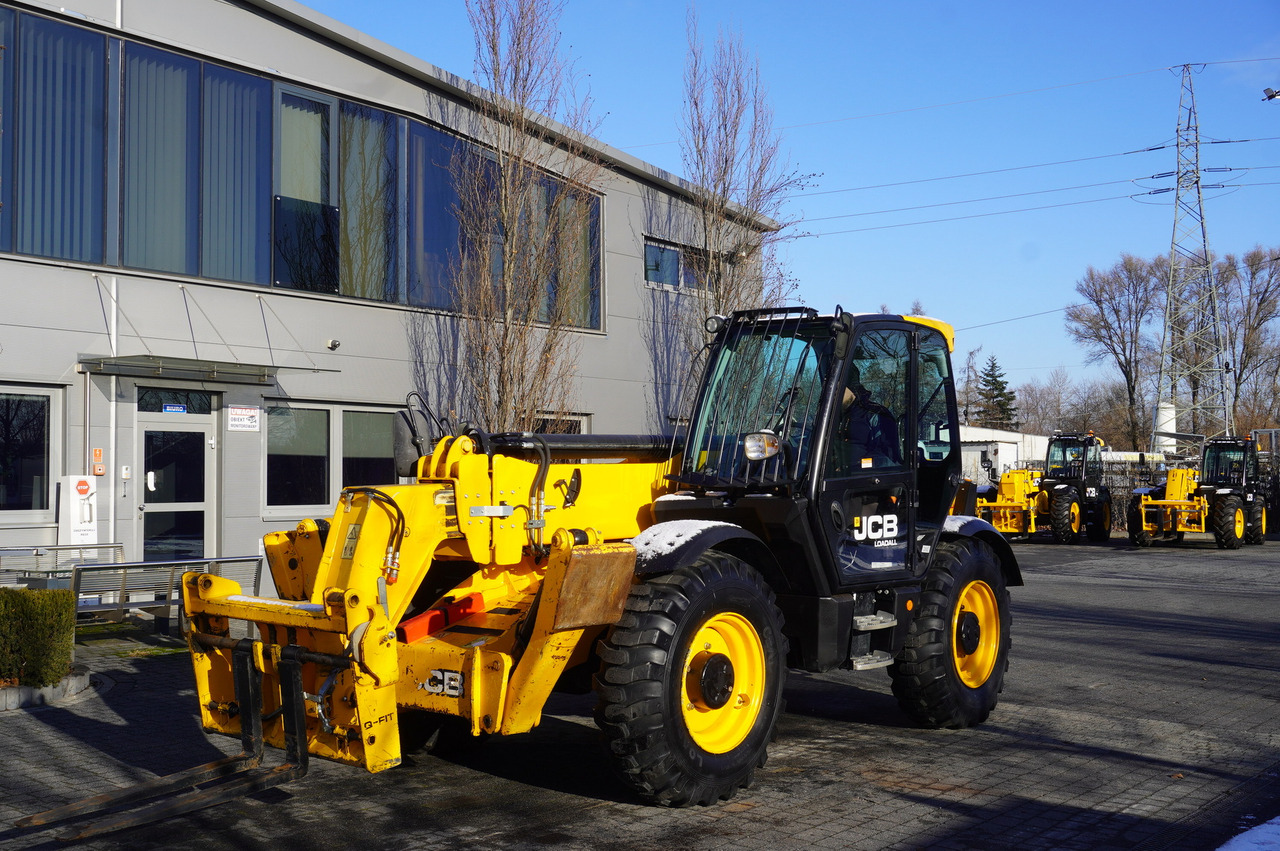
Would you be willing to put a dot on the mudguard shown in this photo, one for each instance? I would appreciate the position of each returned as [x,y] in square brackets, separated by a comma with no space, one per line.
[964,526]
[665,547]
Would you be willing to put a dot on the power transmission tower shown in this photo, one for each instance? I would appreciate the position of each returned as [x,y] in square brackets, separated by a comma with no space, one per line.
[1192,395]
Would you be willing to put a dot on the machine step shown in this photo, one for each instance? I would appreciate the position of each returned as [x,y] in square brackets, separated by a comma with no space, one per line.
[874,659]
[880,620]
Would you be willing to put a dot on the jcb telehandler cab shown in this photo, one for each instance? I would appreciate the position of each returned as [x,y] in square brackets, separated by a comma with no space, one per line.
[1070,498]
[805,520]
[1228,497]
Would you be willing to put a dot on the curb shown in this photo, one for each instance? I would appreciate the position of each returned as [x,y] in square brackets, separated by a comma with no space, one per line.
[20,697]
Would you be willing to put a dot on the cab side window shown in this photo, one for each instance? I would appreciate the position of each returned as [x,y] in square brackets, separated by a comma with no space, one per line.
[869,431]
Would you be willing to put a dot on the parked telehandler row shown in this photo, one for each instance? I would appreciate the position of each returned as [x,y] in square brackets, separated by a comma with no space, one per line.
[1226,496]
[812,517]
[1069,499]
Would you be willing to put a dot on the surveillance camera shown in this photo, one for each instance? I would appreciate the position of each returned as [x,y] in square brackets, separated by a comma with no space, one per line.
[333,345]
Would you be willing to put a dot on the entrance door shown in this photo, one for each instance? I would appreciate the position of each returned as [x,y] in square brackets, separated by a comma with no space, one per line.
[176,482]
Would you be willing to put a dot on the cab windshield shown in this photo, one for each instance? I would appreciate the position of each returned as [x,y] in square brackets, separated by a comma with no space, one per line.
[1225,465]
[767,377]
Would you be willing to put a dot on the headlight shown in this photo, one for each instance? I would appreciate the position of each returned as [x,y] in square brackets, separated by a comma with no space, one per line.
[760,445]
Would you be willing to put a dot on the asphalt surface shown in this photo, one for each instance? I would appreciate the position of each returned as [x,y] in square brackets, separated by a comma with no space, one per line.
[1140,711]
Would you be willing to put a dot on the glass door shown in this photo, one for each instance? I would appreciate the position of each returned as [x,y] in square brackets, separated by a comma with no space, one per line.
[176,481]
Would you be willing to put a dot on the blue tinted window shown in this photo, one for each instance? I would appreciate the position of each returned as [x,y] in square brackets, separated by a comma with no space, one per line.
[60,141]
[433,224]
[161,146]
[235,220]
[367,175]
[7,57]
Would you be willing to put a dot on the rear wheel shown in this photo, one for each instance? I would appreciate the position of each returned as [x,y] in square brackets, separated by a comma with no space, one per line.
[951,670]
[1100,528]
[1228,520]
[1064,515]
[691,685]
[1138,536]
[1257,531]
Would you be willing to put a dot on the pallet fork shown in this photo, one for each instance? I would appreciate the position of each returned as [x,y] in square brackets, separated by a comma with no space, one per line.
[235,776]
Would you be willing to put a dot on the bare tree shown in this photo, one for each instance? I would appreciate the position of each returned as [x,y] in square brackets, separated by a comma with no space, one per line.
[733,155]
[1114,322]
[526,275]
[1249,290]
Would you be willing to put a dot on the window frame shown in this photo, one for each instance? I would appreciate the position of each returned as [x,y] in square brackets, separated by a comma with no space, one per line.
[333,461]
[685,278]
[18,518]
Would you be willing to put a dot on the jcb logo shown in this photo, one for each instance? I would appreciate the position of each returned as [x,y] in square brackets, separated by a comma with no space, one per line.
[448,683]
[875,527]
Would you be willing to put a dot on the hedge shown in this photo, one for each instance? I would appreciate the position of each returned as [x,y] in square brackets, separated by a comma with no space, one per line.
[37,635]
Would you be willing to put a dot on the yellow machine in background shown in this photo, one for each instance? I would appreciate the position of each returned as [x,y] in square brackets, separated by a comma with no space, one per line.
[1070,499]
[1227,496]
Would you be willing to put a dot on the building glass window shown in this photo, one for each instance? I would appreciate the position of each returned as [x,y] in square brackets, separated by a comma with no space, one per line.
[367,454]
[60,151]
[24,452]
[305,227]
[670,266]
[367,183]
[161,180]
[572,221]
[8,55]
[433,225]
[158,400]
[297,456]
[661,265]
[235,210]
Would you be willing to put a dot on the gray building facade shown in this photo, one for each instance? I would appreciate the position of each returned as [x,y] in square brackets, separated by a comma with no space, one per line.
[224,238]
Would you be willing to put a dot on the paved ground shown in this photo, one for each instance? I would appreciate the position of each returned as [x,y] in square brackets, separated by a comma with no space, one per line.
[1140,711]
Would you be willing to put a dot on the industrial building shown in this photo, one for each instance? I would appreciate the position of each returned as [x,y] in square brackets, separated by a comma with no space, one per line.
[225,235]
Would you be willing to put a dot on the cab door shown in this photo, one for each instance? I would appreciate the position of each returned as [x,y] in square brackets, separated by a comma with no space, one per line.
[868,488]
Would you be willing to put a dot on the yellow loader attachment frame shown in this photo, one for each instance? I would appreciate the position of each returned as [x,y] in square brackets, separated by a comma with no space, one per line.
[445,596]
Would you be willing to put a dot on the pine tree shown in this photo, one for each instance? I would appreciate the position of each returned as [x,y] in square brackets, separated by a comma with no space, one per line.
[997,404]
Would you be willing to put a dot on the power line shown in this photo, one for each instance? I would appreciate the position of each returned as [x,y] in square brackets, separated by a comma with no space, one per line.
[1017,318]
[974,200]
[1162,146]
[1135,197]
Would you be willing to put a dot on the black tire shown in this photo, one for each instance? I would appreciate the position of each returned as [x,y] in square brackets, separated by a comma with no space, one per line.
[952,667]
[677,735]
[1099,529]
[1065,515]
[1228,521]
[1138,536]
[1256,533]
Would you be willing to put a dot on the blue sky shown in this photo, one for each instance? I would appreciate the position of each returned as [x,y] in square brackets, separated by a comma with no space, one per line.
[875,93]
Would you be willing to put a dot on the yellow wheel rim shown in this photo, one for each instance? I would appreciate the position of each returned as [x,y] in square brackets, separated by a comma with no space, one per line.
[1106,516]
[1075,517]
[1262,524]
[1239,522]
[723,682]
[975,634]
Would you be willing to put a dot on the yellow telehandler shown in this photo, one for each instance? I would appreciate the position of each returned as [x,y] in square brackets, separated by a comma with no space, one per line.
[678,577]
[1070,499]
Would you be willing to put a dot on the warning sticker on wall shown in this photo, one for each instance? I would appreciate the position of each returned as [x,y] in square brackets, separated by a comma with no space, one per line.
[243,417]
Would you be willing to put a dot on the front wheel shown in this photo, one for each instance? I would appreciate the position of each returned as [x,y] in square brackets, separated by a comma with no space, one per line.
[1138,534]
[691,684]
[951,669]
[1064,515]
[1228,520]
